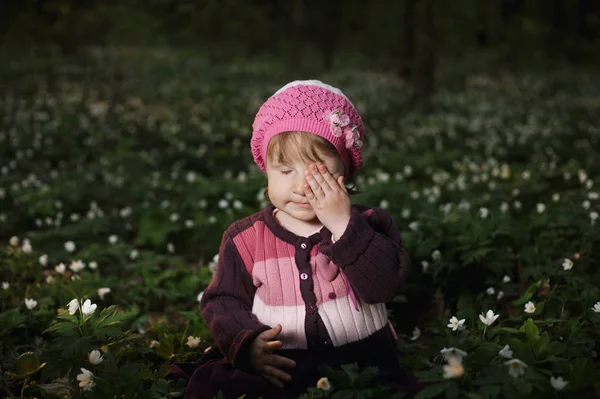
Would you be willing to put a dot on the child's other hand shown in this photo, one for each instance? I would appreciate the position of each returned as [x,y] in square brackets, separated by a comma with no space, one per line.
[328,197]
[265,362]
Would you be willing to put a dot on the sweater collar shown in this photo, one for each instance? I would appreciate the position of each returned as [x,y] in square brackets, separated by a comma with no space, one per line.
[280,232]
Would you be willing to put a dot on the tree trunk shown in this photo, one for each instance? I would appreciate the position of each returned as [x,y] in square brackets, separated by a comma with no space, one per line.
[407,51]
[424,74]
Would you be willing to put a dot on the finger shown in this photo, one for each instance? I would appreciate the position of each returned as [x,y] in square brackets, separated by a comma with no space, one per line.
[308,193]
[318,176]
[277,373]
[314,185]
[272,380]
[271,334]
[328,176]
[280,361]
[342,182]
[272,346]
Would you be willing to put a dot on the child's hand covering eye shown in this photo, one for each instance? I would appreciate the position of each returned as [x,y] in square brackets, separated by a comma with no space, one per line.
[328,198]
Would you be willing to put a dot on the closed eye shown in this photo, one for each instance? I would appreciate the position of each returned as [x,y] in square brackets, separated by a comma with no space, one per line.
[286,172]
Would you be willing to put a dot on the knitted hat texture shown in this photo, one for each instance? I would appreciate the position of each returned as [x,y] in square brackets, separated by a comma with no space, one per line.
[314,107]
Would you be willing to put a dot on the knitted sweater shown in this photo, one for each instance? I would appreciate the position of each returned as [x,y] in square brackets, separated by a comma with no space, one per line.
[324,294]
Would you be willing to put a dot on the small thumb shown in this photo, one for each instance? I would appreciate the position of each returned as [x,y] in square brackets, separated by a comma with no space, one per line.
[272,333]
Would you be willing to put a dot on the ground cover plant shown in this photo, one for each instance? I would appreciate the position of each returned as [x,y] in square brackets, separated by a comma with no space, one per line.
[120,172]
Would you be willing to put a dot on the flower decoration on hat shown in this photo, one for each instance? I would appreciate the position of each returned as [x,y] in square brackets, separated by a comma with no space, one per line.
[337,120]
[353,138]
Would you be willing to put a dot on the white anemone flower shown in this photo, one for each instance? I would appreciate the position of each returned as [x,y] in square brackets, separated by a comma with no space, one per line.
[490,291]
[323,384]
[506,279]
[95,357]
[103,291]
[456,324]
[5,285]
[540,208]
[596,307]
[415,334]
[516,367]
[70,246]
[193,342]
[60,268]
[43,260]
[26,246]
[453,369]
[506,352]
[567,264]
[489,318]
[30,303]
[113,239]
[73,306]
[200,295]
[86,379]
[88,307]
[14,241]
[558,383]
[483,212]
[77,266]
[529,307]
[436,255]
[449,353]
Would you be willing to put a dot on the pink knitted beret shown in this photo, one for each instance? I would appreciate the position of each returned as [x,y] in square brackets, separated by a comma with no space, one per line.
[315,107]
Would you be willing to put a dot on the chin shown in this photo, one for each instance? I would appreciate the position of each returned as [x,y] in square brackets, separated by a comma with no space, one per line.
[304,213]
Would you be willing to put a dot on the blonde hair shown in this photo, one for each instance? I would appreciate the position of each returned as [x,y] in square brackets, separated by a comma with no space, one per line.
[307,147]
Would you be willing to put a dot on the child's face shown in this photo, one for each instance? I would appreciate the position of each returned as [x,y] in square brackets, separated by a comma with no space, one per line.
[286,185]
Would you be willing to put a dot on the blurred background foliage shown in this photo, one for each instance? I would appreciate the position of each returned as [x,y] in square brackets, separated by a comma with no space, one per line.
[409,37]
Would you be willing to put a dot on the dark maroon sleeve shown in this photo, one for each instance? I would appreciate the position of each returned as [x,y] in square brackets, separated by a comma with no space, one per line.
[371,255]
[226,306]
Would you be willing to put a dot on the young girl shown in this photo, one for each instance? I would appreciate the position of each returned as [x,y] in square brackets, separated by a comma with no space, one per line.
[304,282]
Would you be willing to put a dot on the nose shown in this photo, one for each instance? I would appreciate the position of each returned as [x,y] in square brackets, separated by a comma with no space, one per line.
[299,182]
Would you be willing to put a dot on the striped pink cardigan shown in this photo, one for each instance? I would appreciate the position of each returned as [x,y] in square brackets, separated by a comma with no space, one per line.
[323,294]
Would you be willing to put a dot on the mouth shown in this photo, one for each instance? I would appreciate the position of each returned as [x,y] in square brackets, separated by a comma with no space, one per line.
[302,204]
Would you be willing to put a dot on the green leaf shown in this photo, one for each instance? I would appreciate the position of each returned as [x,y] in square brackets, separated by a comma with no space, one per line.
[531,290]
[61,327]
[343,394]
[555,348]
[27,365]
[490,391]
[431,391]
[530,329]
[524,387]
[351,370]
[452,391]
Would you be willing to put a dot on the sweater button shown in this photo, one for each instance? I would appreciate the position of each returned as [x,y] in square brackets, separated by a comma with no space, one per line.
[304,276]
[303,245]
[332,295]
[312,309]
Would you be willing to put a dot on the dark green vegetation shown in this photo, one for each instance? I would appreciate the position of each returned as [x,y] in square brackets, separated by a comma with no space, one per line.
[140,158]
